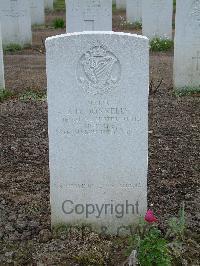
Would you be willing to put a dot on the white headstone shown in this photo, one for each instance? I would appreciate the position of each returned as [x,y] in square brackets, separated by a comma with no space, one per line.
[187,45]
[121,4]
[89,15]
[2,81]
[15,22]
[134,10]
[48,4]
[157,18]
[98,124]
[37,12]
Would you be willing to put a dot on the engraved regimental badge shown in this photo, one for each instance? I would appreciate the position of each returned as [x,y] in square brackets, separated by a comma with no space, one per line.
[98,70]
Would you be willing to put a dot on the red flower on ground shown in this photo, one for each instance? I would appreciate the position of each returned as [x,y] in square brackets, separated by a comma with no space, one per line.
[149,217]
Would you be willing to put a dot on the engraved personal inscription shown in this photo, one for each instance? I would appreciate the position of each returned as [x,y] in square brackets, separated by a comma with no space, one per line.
[98,71]
[98,119]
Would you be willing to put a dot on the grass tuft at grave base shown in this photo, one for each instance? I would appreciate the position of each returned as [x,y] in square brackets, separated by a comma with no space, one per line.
[58,23]
[161,45]
[5,94]
[187,91]
[59,5]
[13,47]
[125,25]
[31,95]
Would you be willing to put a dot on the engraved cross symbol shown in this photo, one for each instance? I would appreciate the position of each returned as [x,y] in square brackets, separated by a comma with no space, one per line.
[197,58]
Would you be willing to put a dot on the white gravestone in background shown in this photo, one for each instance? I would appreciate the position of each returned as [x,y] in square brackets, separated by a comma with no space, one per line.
[120,4]
[157,18]
[187,45]
[2,82]
[37,12]
[134,10]
[48,4]
[15,22]
[89,15]
[98,123]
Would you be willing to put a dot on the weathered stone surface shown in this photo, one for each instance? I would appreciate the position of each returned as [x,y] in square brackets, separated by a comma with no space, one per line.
[120,4]
[98,124]
[2,81]
[88,15]
[134,10]
[37,12]
[48,4]
[157,18]
[15,22]
[187,45]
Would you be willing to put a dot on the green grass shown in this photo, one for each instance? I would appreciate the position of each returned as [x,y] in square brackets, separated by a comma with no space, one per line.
[187,91]
[59,5]
[13,47]
[58,23]
[114,8]
[137,25]
[154,250]
[174,4]
[126,25]
[5,94]
[159,45]
[39,26]
[32,96]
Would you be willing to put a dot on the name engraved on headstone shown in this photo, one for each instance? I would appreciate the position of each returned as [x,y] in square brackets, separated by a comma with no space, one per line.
[104,120]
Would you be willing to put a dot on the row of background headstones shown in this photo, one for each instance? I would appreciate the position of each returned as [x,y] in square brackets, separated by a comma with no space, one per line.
[155,16]
[17,17]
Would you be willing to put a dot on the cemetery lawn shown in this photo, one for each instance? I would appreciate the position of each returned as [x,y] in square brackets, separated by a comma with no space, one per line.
[174,149]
